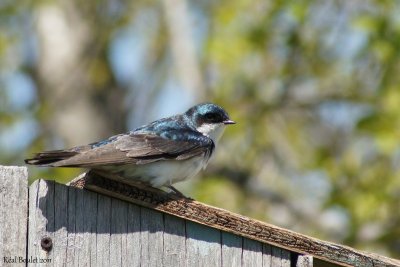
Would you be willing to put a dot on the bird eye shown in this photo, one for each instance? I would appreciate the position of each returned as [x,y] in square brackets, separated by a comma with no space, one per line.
[211,117]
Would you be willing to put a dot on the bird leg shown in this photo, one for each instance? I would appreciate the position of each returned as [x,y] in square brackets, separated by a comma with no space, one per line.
[177,192]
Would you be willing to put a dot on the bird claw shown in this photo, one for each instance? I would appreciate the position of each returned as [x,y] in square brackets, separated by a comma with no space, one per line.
[178,193]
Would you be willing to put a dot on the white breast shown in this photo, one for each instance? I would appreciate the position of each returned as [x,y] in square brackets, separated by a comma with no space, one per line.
[212,130]
[164,173]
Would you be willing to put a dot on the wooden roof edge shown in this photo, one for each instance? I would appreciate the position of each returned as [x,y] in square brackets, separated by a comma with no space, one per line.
[227,221]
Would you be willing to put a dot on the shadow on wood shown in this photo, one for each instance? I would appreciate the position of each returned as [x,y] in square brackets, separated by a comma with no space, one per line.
[88,227]
[117,224]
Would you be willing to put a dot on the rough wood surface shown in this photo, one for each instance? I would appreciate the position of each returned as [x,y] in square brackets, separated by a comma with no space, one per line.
[39,215]
[252,253]
[151,231]
[203,245]
[90,229]
[304,261]
[174,241]
[232,246]
[267,255]
[13,215]
[230,222]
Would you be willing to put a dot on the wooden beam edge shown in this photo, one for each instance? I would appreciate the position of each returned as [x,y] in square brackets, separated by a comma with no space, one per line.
[228,221]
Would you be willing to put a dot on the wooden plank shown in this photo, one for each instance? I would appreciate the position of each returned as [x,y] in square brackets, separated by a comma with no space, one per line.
[203,245]
[119,215]
[304,261]
[85,228]
[103,230]
[231,249]
[267,255]
[38,209]
[60,225]
[252,253]
[48,213]
[13,214]
[231,222]
[285,258]
[133,245]
[151,235]
[280,257]
[73,241]
[174,241]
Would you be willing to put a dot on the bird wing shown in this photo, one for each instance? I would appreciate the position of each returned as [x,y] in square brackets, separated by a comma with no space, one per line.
[133,148]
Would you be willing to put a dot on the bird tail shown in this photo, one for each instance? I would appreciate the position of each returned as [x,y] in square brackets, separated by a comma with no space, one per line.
[49,158]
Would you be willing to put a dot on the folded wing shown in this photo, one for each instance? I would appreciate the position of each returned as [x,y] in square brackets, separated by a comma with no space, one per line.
[133,148]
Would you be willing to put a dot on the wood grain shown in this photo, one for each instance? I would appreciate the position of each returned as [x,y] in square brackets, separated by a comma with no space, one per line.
[231,222]
[151,234]
[13,213]
[252,253]
[174,241]
[39,195]
[304,261]
[203,245]
[90,229]
[232,246]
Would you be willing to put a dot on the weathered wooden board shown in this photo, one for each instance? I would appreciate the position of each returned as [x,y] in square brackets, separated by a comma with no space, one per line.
[13,215]
[252,253]
[90,229]
[174,241]
[230,222]
[203,245]
[232,246]
[151,233]
[304,261]
[68,226]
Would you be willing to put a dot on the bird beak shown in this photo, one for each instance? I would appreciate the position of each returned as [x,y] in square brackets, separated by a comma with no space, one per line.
[229,122]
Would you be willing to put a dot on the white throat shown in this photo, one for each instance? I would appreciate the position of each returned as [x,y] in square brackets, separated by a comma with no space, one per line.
[212,130]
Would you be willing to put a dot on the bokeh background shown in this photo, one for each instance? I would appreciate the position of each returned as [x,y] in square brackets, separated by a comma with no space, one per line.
[314,87]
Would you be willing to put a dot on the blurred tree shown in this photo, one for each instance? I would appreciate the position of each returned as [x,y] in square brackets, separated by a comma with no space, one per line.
[313,86]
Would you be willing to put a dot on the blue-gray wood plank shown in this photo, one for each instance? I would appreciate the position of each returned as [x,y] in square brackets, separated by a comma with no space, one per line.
[13,214]
[89,229]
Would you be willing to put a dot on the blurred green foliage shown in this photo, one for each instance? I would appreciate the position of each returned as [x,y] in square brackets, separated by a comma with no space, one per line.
[313,85]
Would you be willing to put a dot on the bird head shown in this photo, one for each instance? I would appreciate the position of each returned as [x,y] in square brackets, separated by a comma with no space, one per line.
[209,119]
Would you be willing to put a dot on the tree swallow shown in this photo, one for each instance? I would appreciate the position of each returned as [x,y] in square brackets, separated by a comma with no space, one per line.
[161,153]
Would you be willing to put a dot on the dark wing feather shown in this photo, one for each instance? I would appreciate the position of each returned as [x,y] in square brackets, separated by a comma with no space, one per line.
[49,157]
[149,148]
[134,148]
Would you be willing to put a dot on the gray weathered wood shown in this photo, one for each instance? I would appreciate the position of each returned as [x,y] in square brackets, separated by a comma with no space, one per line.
[73,241]
[304,261]
[13,214]
[174,241]
[103,230]
[119,228]
[89,229]
[203,245]
[232,248]
[230,222]
[267,255]
[280,257]
[133,237]
[85,227]
[39,195]
[151,234]
[60,224]
[252,253]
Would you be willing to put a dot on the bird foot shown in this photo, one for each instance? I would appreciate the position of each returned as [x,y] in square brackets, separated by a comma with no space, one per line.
[178,193]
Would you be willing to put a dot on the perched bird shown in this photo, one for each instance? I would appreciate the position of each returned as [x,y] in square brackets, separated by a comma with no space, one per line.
[161,153]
